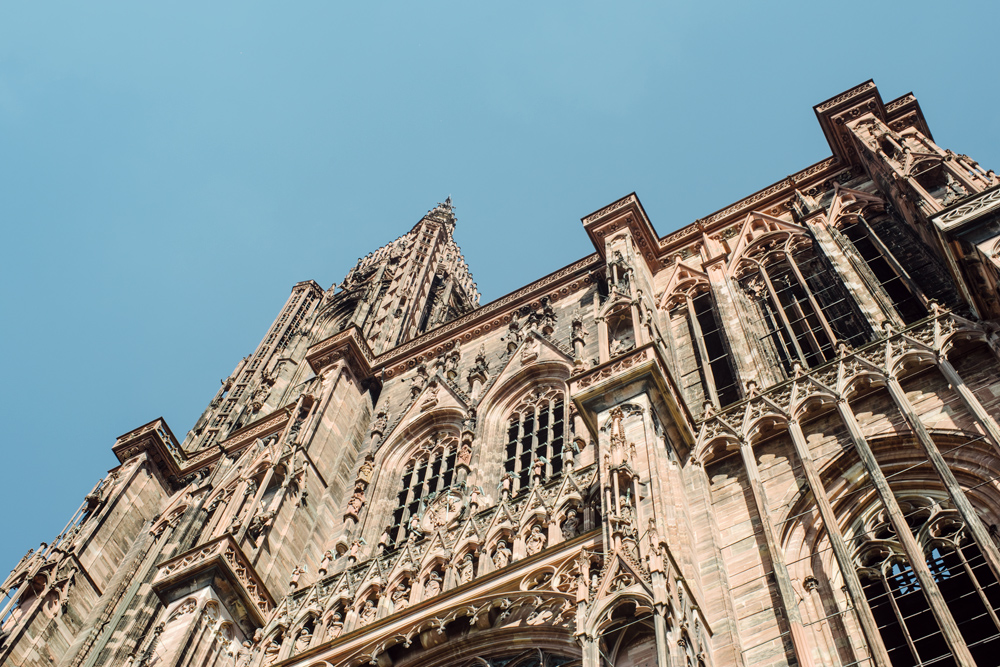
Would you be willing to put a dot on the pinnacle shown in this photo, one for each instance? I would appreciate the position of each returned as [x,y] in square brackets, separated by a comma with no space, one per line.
[443,212]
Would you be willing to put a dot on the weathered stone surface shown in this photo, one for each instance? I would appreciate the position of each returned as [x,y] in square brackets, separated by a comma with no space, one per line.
[686,450]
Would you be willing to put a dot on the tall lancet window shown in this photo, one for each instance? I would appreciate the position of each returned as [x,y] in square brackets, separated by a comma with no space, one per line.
[902,267]
[803,310]
[898,603]
[883,268]
[535,439]
[701,352]
[429,471]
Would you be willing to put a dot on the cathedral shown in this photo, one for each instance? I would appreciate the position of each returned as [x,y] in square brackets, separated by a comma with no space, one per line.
[768,438]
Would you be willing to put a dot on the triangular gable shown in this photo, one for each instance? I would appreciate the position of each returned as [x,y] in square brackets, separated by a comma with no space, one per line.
[617,567]
[757,409]
[681,275]
[913,159]
[406,562]
[341,591]
[436,395]
[310,605]
[568,490]
[547,352]
[844,197]
[534,504]
[502,518]
[613,302]
[436,547]
[747,237]
[469,533]
[373,576]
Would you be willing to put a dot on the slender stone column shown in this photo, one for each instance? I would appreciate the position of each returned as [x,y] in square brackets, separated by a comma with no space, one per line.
[256,501]
[231,509]
[972,403]
[591,651]
[958,497]
[13,599]
[840,551]
[660,629]
[184,641]
[915,556]
[789,600]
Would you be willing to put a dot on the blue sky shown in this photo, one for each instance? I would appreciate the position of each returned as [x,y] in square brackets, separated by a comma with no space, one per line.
[169,170]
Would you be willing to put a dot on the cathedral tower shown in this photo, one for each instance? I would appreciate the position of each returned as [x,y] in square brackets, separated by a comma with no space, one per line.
[767,438]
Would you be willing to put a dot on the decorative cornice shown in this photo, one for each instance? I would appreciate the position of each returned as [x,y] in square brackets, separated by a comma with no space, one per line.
[222,553]
[846,96]
[155,438]
[633,365]
[955,217]
[258,429]
[761,199]
[899,103]
[348,345]
[626,213]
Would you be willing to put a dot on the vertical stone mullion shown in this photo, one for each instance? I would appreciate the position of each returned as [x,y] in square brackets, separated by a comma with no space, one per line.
[812,301]
[958,497]
[842,554]
[972,404]
[789,600]
[914,554]
[699,341]
[784,317]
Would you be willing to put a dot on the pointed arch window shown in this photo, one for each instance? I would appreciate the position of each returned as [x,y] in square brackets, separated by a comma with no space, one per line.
[535,438]
[888,273]
[701,351]
[803,309]
[903,267]
[429,471]
[906,623]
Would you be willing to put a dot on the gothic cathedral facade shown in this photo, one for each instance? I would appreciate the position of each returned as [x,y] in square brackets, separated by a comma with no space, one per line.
[767,438]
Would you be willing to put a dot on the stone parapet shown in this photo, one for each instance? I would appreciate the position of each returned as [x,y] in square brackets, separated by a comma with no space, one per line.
[222,557]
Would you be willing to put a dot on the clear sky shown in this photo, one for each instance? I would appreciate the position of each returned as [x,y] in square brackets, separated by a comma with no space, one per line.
[169,170]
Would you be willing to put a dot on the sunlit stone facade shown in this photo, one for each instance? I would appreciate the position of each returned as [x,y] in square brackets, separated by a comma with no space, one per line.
[767,438]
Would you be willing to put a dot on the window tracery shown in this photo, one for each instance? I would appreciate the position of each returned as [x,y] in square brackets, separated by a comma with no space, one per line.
[701,351]
[803,309]
[901,610]
[430,471]
[535,439]
[904,268]
[889,275]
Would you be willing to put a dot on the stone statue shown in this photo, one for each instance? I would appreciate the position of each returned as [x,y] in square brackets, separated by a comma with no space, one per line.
[335,625]
[357,500]
[368,612]
[570,525]
[296,573]
[466,570]
[536,540]
[476,497]
[303,640]
[271,652]
[356,549]
[538,467]
[501,557]
[401,597]
[414,528]
[324,565]
[433,586]
[506,484]
[241,657]
[365,471]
